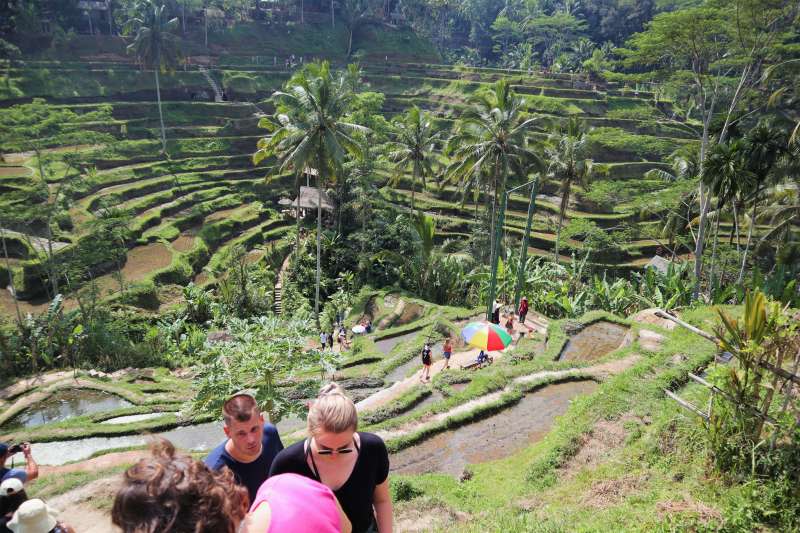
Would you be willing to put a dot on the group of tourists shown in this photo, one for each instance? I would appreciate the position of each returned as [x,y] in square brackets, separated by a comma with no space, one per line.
[335,480]
[18,512]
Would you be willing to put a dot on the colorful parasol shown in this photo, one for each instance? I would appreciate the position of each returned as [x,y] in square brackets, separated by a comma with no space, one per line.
[488,337]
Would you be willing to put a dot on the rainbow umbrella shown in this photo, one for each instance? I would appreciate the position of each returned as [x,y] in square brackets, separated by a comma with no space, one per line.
[487,337]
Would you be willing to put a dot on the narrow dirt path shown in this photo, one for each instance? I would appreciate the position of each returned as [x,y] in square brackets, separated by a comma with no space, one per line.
[101,462]
[87,508]
[458,359]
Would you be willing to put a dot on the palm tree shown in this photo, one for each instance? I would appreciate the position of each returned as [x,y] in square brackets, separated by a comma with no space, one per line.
[492,136]
[412,145]
[308,132]
[764,147]
[567,163]
[784,210]
[155,45]
[684,166]
[725,174]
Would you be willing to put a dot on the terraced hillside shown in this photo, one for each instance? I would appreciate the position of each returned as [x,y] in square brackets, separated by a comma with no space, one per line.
[189,209]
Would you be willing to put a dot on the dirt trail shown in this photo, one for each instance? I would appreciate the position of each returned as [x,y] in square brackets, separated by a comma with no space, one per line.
[458,359]
[101,462]
[81,507]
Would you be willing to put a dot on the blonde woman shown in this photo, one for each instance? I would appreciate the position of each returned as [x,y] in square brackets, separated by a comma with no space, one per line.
[354,465]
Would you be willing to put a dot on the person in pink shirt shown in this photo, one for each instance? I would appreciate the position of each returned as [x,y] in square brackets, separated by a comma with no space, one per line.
[291,502]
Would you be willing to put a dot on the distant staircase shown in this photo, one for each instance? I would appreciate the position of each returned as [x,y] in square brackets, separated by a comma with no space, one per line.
[278,290]
[212,83]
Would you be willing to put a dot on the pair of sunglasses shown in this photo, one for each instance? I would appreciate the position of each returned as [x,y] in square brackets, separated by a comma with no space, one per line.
[342,450]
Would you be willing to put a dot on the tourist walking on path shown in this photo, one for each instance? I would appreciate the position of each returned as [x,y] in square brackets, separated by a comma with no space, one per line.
[295,503]
[510,324]
[496,312]
[447,351]
[172,493]
[426,363]
[31,471]
[355,465]
[523,310]
[330,340]
[323,339]
[251,445]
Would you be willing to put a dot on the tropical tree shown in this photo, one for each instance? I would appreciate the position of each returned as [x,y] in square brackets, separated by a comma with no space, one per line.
[684,172]
[355,13]
[414,140]
[436,273]
[491,137]
[263,353]
[725,175]
[308,132]
[783,210]
[764,147]
[567,163]
[155,45]
[724,57]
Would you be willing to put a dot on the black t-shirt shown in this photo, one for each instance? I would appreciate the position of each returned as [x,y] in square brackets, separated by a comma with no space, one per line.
[355,496]
[426,356]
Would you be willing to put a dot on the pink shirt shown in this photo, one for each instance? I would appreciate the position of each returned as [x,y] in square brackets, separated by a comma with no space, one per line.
[298,504]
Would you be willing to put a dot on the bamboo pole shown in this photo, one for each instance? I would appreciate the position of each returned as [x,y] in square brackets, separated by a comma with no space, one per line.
[794,378]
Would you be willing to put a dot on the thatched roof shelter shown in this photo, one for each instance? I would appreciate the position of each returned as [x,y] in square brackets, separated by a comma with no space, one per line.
[309,199]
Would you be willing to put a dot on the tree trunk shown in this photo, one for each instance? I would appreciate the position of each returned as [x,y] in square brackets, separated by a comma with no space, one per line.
[350,43]
[699,244]
[749,240]
[160,113]
[10,277]
[414,185]
[297,218]
[319,243]
[493,221]
[713,264]
[333,20]
[183,17]
[302,19]
[562,210]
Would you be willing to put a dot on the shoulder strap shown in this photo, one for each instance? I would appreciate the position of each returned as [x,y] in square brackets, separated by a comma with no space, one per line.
[314,469]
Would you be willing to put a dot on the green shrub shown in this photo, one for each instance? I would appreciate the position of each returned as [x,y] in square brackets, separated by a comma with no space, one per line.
[404,490]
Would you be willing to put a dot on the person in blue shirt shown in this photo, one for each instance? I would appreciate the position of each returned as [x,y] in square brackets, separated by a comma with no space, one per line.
[31,471]
[251,445]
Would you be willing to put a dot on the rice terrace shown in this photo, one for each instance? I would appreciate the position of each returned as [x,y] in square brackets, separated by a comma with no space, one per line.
[542,255]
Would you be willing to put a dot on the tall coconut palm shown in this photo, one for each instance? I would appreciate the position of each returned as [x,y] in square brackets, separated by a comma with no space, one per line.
[155,45]
[308,132]
[412,146]
[492,136]
[568,146]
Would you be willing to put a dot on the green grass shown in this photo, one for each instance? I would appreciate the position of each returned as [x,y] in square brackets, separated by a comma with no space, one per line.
[536,494]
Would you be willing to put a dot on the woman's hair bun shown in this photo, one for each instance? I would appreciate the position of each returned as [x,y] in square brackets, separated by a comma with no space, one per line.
[330,388]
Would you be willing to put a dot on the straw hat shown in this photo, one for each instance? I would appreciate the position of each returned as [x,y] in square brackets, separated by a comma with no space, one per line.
[33,516]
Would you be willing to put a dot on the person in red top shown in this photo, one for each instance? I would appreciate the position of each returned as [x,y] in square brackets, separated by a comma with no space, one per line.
[523,310]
